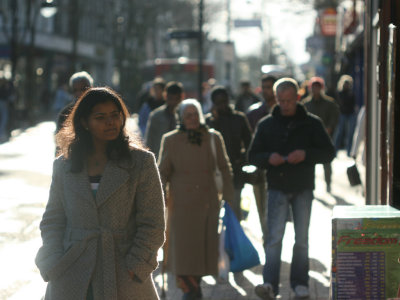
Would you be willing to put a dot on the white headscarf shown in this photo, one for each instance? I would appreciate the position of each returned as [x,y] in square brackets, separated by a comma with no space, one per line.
[191,102]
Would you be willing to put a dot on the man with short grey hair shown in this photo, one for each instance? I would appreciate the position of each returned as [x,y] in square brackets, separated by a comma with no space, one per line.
[79,82]
[289,143]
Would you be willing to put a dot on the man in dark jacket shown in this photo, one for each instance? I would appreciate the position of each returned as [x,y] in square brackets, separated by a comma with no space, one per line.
[235,130]
[289,143]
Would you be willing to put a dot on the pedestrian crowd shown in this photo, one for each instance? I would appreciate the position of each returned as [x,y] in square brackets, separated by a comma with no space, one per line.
[116,198]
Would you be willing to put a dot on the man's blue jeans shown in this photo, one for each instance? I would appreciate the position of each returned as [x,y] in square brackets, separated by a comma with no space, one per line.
[278,209]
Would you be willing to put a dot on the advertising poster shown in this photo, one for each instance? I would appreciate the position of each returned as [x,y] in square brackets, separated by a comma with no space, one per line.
[365,253]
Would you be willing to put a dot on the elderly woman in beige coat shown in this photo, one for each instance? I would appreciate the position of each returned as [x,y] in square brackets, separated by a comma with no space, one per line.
[187,165]
[104,220]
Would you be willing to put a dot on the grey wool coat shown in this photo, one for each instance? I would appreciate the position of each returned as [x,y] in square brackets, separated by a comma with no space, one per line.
[193,204]
[95,240]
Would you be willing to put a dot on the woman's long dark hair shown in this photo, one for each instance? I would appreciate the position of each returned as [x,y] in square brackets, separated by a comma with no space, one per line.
[75,142]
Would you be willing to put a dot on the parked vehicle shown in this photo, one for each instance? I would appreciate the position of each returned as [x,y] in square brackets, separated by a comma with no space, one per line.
[181,69]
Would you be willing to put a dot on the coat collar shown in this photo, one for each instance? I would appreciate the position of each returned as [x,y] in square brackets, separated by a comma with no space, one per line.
[113,177]
[115,174]
[79,183]
[301,112]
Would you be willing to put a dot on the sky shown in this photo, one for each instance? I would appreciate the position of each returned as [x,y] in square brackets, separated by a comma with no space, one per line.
[289,21]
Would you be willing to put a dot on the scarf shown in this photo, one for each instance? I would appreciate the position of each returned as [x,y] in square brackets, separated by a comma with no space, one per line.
[194,136]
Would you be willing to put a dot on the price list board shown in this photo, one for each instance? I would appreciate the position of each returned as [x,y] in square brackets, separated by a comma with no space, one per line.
[361,275]
[365,253]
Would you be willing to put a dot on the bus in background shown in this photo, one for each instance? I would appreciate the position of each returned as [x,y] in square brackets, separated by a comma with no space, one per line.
[181,69]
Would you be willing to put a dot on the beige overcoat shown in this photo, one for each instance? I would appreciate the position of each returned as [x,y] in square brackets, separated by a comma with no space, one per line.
[98,239]
[193,205]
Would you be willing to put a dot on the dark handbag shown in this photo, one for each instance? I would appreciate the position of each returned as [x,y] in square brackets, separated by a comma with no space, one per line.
[353,175]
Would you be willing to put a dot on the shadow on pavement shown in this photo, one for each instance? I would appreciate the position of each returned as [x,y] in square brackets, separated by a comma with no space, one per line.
[338,201]
[317,266]
[240,285]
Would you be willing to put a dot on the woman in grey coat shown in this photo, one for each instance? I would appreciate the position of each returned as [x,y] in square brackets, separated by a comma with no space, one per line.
[104,220]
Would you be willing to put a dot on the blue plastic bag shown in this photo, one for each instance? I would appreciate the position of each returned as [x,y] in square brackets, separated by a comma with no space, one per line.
[240,250]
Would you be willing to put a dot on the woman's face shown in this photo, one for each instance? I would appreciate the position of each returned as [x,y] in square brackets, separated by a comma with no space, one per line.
[104,122]
[191,117]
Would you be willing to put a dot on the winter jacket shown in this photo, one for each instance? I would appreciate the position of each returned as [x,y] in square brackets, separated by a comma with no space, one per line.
[347,102]
[325,108]
[278,134]
[98,239]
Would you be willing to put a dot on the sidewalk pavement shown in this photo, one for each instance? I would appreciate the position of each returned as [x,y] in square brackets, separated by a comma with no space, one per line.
[241,285]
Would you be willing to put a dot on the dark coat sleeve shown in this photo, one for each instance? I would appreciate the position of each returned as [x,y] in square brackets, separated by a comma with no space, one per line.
[225,167]
[246,132]
[259,151]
